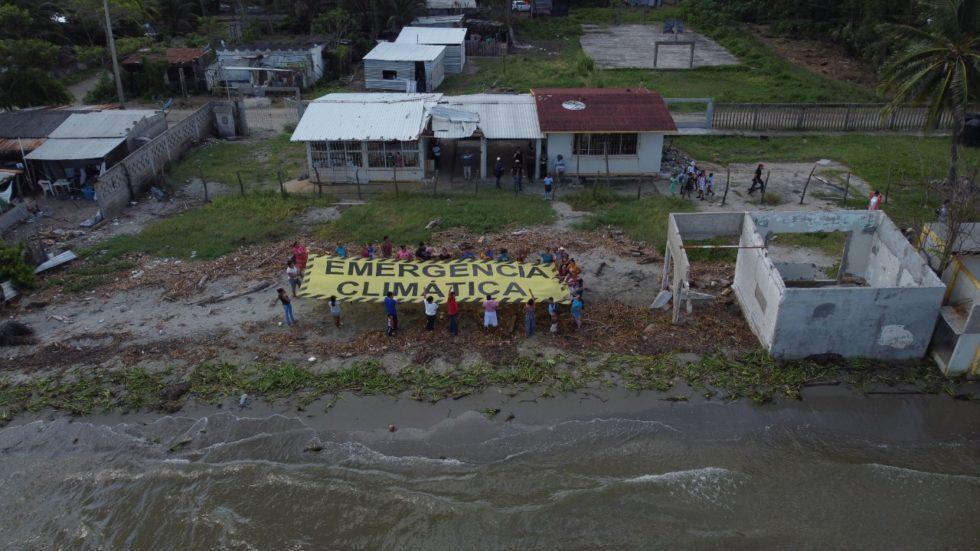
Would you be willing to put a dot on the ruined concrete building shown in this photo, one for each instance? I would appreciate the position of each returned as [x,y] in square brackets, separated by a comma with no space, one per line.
[882,303]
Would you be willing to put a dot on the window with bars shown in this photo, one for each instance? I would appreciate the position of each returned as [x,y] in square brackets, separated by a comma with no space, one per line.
[393,154]
[336,154]
[603,144]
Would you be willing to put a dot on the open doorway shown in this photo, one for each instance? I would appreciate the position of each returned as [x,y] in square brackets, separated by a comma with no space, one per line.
[420,83]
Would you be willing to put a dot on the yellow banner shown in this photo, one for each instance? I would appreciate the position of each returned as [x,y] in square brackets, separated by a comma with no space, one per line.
[365,280]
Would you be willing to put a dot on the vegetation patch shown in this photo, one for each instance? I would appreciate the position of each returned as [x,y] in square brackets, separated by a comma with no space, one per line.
[763,76]
[644,219]
[216,228]
[257,161]
[752,375]
[404,217]
[877,159]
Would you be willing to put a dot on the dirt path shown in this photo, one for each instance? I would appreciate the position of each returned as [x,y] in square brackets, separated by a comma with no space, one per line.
[81,88]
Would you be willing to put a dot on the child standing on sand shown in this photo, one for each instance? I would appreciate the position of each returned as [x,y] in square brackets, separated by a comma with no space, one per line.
[287,306]
[335,311]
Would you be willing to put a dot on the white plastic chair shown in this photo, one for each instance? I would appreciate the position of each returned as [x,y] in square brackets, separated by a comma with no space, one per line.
[46,187]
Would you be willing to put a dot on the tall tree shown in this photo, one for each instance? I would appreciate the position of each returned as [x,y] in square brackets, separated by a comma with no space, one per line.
[939,68]
[26,62]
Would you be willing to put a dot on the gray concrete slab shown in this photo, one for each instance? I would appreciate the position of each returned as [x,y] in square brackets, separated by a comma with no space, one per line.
[632,47]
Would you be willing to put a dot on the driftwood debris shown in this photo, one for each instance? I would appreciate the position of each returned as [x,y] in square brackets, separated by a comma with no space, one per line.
[234,294]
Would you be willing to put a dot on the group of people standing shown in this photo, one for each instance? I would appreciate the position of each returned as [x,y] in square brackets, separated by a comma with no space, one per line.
[568,272]
[693,179]
[521,166]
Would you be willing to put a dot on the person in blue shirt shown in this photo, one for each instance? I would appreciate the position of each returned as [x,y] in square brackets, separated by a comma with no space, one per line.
[548,189]
[340,251]
[577,308]
[468,254]
[504,256]
[391,309]
[547,257]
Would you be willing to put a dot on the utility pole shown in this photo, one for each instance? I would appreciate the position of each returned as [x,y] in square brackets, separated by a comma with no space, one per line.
[112,51]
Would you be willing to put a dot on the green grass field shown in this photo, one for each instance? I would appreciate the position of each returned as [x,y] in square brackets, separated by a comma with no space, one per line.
[877,160]
[644,219]
[404,217]
[258,162]
[216,228]
[762,77]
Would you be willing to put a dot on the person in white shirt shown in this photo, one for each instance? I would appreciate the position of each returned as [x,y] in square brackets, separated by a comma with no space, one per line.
[874,203]
[431,309]
[292,272]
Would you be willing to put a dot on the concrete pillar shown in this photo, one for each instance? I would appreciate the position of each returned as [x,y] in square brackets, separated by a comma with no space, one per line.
[537,159]
[483,158]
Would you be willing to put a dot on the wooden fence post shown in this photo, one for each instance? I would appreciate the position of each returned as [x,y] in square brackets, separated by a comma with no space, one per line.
[728,179]
[241,185]
[807,184]
[847,187]
[282,187]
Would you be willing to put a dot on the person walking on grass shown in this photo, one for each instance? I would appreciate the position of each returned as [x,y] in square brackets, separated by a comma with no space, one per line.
[292,273]
[710,185]
[431,311]
[577,308]
[498,171]
[453,310]
[518,176]
[391,309]
[549,187]
[530,317]
[489,313]
[287,306]
[560,169]
[335,311]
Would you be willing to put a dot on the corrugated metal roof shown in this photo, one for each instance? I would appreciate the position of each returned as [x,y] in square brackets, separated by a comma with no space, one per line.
[431,35]
[103,124]
[31,123]
[403,51]
[602,110]
[174,56]
[365,117]
[74,149]
[450,4]
[14,145]
[439,21]
[502,116]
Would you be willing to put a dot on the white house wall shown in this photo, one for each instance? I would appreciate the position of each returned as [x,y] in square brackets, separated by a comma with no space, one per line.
[649,149]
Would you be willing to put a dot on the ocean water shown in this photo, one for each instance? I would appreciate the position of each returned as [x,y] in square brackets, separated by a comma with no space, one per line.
[903,473]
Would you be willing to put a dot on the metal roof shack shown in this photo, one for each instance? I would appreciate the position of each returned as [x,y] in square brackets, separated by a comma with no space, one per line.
[450,4]
[173,56]
[432,35]
[401,51]
[586,110]
[365,117]
[102,124]
[500,116]
[439,21]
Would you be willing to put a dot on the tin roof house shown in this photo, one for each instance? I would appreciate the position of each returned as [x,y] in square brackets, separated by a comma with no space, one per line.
[261,67]
[454,39]
[404,67]
[619,131]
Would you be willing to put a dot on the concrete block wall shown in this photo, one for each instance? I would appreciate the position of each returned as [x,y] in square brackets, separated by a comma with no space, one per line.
[857,322]
[132,176]
[758,286]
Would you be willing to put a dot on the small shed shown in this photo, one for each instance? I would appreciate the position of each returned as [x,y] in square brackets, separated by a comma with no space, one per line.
[454,39]
[87,144]
[269,66]
[447,7]
[454,20]
[185,67]
[403,67]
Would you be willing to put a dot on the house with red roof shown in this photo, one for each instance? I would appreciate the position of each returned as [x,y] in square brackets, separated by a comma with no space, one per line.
[616,131]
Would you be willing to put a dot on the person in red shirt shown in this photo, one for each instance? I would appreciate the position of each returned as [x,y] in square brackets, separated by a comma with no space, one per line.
[453,310]
[300,256]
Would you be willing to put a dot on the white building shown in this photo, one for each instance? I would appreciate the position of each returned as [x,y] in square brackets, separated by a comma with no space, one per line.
[404,67]
[454,39]
[389,136]
[619,131]
[364,137]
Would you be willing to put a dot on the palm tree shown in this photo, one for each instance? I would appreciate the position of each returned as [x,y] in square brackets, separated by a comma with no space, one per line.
[402,12]
[939,68]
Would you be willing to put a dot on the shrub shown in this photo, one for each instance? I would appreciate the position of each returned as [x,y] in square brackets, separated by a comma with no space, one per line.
[13,267]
